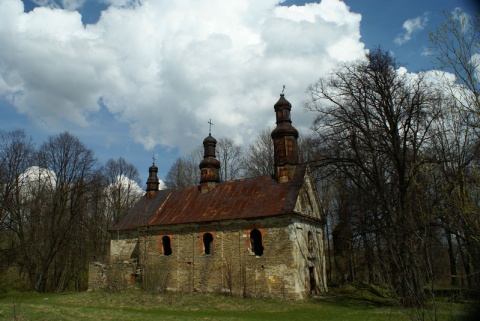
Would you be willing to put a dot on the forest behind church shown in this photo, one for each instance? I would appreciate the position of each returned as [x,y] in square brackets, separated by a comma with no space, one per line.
[395,158]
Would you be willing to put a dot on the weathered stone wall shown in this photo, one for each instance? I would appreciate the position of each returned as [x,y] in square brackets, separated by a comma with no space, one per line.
[124,246]
[115,276]
[308,203]
[283,270]
[97,276]
[309,255]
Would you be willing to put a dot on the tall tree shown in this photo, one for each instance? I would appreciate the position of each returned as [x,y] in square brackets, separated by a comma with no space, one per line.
[57,211]
[455,46]
[375,121]
[16,156]
[454,182]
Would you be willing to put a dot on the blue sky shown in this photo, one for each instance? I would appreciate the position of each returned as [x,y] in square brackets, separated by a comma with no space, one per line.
[142,78]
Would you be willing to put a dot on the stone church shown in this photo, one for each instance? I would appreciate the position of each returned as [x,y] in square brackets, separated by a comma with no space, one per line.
[259,236]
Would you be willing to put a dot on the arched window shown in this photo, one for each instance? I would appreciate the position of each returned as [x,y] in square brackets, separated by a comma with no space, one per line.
[310,242]
[256,242]
[207,243]
[167,247]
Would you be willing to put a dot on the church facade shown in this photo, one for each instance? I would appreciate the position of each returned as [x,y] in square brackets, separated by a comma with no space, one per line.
[259,236]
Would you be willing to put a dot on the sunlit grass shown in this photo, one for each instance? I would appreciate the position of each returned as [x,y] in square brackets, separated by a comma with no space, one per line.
[138,305]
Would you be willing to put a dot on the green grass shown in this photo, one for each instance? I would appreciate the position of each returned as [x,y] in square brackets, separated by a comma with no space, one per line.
[346,304]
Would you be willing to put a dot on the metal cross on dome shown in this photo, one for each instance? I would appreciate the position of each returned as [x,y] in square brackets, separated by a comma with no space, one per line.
[153,159]
[210,128]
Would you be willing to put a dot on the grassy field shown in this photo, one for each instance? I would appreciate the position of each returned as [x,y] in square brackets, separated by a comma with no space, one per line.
[137,305]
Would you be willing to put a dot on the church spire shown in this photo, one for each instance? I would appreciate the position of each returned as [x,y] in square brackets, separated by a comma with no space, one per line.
[152,181]
[210,165]
[285,142]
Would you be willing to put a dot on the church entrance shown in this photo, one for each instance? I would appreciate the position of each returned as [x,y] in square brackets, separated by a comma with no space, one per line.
[313,282]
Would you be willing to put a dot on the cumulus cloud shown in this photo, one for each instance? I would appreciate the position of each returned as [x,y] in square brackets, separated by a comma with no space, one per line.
[127,184]
[33,177]
[411,26]
[165,68]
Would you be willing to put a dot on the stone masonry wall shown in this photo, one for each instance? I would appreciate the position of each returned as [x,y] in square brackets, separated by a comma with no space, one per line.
[289,261]
[124,246]
[115,276]
[309,255]
[231,267]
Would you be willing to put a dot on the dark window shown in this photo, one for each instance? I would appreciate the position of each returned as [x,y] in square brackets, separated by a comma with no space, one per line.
[207,243]
[310,241]
[313,282]
[167,247]
[256,242]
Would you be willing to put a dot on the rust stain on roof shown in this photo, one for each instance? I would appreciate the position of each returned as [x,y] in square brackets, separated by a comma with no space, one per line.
[245,198]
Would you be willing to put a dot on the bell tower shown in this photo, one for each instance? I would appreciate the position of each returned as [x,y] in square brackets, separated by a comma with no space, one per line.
[210,165]
[284,142]
[152,181]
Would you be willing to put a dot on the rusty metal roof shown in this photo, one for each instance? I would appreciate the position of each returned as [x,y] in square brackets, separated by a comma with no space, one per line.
[254,197]
[141,212]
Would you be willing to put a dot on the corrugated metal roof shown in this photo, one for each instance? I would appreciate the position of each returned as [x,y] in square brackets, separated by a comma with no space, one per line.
[246,198]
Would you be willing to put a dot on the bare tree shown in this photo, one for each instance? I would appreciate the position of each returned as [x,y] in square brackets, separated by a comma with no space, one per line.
[258,159]
[16,155]
[54,205]
[455,182]
[229,154]
[16,152]
[122,189]
[375,122]
[455,46]
[184,171]
[56,212]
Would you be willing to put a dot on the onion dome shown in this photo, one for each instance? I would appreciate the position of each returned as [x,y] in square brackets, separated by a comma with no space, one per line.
[209,166]
[284,142]
[152,181]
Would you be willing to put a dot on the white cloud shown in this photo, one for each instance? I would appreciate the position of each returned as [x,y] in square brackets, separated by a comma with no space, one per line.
[461,16]
[35,177]
[448,84]
[165,68]
[130,186]
[411,26]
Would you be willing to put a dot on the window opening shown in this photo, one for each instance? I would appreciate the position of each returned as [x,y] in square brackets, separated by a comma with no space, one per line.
[167,248]
[310,242]
[207,243]
[256,242]
[313,281]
